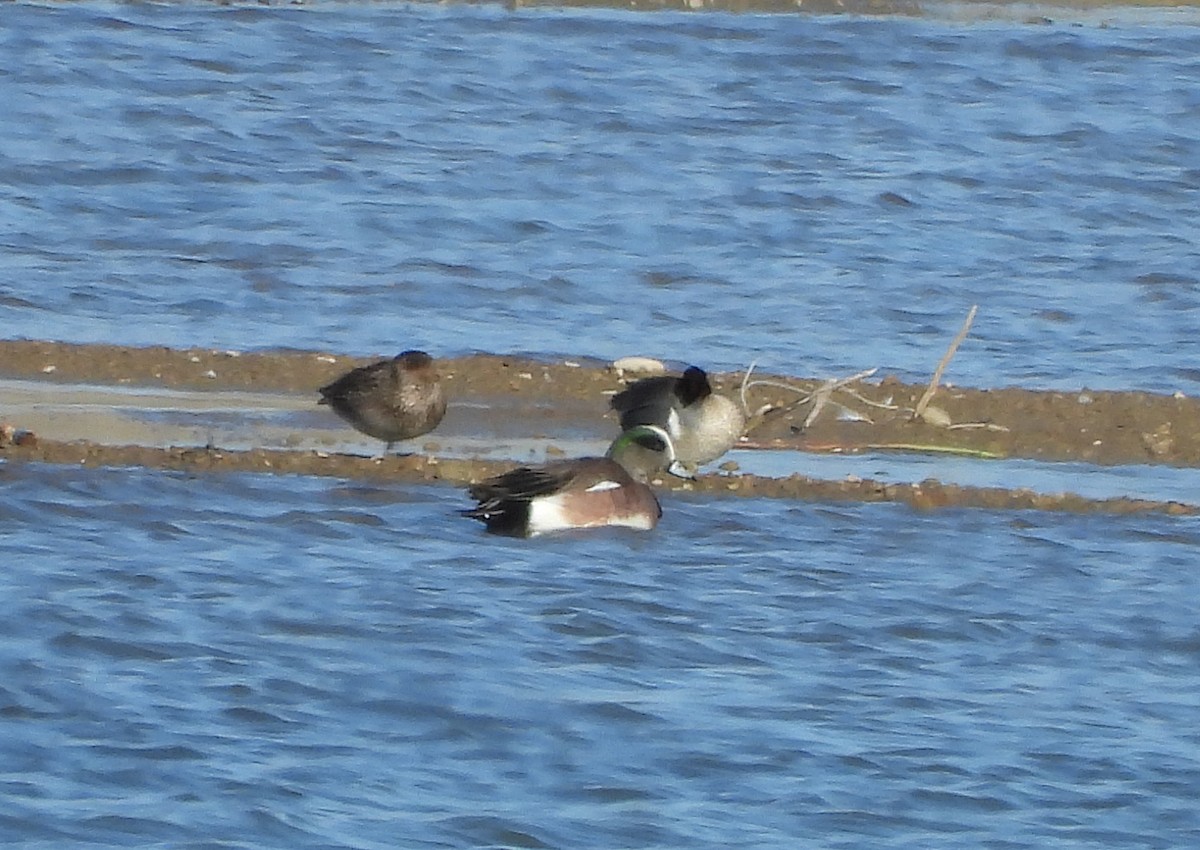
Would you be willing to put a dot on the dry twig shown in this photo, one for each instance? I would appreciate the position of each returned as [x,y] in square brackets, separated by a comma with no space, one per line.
[820,396]
[745,385]
[945,361]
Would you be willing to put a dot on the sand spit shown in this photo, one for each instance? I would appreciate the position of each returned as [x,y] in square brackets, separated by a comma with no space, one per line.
[925,495]
[543,398]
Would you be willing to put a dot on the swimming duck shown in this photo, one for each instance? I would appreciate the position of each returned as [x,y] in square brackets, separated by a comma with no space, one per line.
[702,425]
[391,400]
[590,492]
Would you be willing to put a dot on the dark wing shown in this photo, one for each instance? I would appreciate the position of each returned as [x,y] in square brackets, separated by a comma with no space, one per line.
[522,484]
[361,381]
[504,501]
[646,402]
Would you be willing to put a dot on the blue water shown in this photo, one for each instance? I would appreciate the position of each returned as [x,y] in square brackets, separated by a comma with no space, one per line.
[823,194]
[327,664]
[238,661]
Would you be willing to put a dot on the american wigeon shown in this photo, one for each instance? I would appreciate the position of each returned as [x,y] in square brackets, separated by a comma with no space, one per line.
[588,492]
[391,400]
[702,425]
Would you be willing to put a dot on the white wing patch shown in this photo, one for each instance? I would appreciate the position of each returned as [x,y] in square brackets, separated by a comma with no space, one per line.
[601,486]
[674,427]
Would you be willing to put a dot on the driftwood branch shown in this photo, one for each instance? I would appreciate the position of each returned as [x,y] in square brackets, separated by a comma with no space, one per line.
[820,396]
[825,392]
[945,361]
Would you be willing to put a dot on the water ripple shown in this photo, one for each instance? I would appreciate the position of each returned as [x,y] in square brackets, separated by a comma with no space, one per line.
[701,187]
[248,661]
[862,669]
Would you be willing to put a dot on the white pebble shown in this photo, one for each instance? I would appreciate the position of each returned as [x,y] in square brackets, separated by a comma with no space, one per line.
[639,365]
[936,417]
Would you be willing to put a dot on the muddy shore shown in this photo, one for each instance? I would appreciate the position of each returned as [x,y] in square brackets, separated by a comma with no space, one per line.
[544,397]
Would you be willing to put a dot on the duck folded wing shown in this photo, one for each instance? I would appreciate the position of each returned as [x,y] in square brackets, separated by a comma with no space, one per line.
[356,383]
[523,484]
[646,402]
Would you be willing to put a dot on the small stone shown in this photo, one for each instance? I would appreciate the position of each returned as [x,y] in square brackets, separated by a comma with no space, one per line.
[1159,442]
[638,366]
[935,416]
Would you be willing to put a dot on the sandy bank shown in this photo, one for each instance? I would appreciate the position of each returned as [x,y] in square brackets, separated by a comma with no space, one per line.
[545,399]
[499,396]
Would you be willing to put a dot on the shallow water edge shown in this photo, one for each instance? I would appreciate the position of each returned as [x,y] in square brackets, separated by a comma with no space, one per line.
[525,396]
[504,405]
[925,495]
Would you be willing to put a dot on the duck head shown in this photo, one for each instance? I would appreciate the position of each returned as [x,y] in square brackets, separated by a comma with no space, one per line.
[646,450]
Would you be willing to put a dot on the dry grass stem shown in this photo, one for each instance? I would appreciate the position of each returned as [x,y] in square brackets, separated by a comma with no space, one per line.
[965,426]
[745,384]
[884,405]
[820,399]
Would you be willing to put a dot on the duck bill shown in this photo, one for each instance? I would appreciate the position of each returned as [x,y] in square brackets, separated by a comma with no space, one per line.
[680,471]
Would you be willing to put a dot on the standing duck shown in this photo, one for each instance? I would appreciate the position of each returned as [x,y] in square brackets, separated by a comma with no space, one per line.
[391,400]
[589,492]
[702,425]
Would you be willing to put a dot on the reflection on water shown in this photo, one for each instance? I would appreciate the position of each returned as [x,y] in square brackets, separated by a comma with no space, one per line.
[258,660]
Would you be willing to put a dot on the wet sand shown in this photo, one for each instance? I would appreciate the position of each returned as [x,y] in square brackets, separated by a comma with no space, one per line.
[556,402]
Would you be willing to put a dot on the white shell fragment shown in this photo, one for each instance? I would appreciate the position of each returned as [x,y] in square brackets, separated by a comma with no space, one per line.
[639,366]
[937,417]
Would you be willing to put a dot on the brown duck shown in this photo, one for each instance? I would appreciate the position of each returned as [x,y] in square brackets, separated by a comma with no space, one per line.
[391,400]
